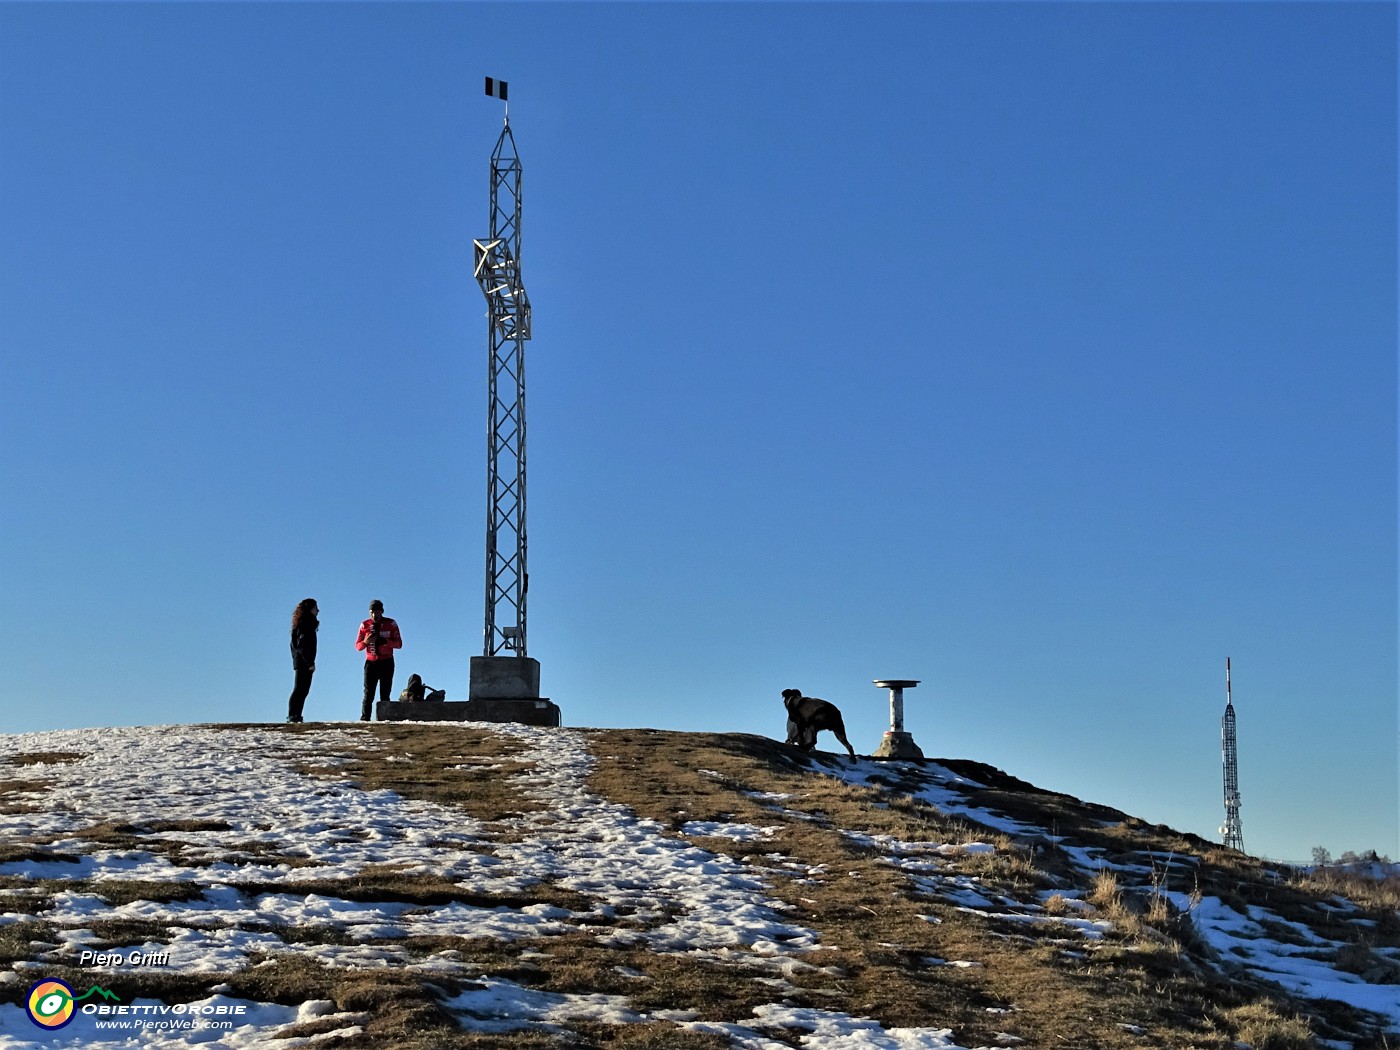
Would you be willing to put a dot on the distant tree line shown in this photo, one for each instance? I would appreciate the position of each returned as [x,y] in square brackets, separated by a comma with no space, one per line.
[1322,857]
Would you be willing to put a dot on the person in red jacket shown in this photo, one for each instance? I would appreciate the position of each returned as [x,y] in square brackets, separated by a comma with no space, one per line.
[378,638]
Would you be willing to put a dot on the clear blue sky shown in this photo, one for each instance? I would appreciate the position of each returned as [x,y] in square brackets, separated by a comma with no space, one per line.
[1044,353]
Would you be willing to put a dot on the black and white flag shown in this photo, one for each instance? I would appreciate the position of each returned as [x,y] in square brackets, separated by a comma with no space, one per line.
[496,88]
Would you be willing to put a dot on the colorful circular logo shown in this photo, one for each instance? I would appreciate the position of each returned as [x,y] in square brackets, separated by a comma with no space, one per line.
[50,1004]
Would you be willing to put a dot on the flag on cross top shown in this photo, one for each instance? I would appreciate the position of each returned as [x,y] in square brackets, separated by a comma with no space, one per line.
[496,88]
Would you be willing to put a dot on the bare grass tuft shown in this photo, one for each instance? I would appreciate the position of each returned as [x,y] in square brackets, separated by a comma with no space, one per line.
[45,758]
[14,853]
[117,892]
[1262,1027]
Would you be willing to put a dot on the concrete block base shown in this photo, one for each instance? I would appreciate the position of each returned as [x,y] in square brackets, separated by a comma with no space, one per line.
[900,746]
[504,678]
[534,711]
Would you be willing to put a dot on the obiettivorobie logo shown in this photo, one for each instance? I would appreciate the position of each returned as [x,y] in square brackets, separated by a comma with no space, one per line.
[52,1004]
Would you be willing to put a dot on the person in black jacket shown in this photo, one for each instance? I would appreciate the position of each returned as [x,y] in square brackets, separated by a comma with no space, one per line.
[304,624]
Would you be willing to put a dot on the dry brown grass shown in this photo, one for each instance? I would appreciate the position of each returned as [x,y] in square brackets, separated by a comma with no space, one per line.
[1379,897]
[1151,972]
[14,852]
[877,928]
[401,1011]
[45,758]
[1264,1028]
[420,760]
[1058,904]
[387,884]
[17,939]
[18,795]
[1160,913]
[117,892]
[33,896]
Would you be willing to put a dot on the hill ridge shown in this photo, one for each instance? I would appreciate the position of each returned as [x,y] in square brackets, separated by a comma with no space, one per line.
[470,885]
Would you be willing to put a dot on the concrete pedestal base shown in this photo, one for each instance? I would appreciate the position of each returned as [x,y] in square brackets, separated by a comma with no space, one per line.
[534,711]
[503,689]
[504,678]
[898,745]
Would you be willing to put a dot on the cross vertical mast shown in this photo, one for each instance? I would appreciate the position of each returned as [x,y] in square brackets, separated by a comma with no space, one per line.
[497,269]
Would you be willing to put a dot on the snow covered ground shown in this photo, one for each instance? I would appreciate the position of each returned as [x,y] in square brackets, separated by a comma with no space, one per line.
[247,789]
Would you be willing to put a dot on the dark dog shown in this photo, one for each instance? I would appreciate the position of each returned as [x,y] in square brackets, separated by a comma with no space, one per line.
[807,716]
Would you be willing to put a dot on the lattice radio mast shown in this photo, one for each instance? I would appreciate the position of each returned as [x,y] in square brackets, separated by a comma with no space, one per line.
[498,272]
[1232,831]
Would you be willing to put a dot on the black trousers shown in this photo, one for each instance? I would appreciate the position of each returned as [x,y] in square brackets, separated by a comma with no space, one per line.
[381,673]
[300,688]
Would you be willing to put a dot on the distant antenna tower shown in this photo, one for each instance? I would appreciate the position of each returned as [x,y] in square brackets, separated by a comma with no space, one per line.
[1232,831]
[498,272]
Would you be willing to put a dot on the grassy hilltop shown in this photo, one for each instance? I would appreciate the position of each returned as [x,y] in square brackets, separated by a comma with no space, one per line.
[813,900]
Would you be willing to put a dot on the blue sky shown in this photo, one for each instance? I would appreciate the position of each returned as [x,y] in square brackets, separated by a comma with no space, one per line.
[1043,353]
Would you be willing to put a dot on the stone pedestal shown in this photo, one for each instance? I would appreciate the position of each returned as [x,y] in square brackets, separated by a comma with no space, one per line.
[898,745]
